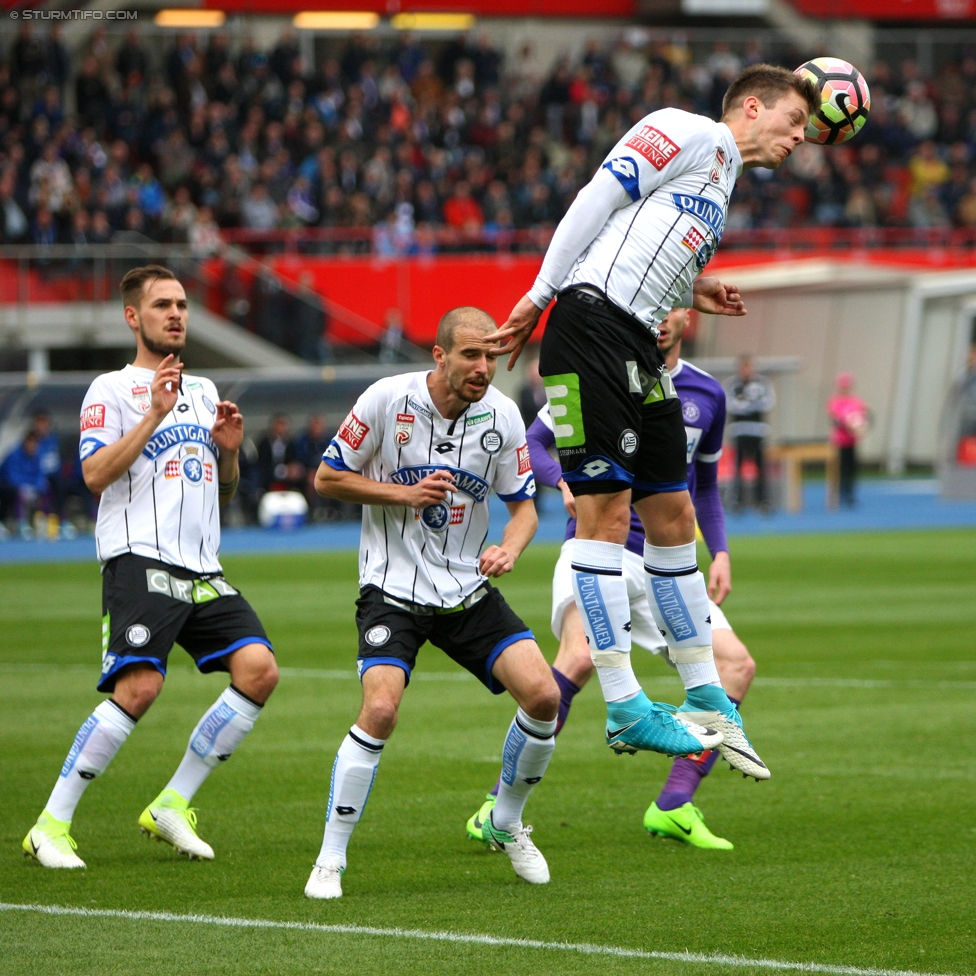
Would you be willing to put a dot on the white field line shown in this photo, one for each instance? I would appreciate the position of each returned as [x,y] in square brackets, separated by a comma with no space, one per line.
[583,948]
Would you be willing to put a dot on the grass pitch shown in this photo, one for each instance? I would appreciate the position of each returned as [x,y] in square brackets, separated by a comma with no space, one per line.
[859,852]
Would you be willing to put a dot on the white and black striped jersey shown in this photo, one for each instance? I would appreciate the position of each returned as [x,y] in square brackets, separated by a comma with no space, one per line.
[165,506]
[648,222]
[394,433]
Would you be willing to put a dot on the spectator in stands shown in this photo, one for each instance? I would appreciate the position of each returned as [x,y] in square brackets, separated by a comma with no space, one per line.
[26,484]
[749,398]
[392,336]
[532,393]
[278,466]
[309,448]
[849,418]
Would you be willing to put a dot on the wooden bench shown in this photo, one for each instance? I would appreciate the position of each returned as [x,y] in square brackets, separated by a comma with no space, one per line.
[793,457]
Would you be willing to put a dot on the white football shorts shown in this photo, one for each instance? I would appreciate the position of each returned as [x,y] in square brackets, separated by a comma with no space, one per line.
[643,628]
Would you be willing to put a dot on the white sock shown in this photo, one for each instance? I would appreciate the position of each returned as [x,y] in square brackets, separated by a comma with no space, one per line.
[353,773]
[528,748]
[98,740]
[217,735]
[604,607]
[678,598]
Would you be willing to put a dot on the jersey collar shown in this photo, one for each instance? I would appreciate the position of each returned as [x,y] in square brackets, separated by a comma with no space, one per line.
[733,149]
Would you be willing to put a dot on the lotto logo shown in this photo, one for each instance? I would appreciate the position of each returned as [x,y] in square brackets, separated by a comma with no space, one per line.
[596,468]
[524,461]
[457,514]
[693,239]
[353,430]
[654,146]
[93,416]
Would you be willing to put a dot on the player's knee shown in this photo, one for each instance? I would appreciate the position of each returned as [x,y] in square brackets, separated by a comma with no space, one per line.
[379,716]
[542,699]
[266,676]
[732,656]
[136,689]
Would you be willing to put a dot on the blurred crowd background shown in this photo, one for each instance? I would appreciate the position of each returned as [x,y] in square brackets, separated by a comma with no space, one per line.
[409,146]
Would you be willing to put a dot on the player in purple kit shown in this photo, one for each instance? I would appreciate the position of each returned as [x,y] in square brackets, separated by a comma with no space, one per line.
[673,813]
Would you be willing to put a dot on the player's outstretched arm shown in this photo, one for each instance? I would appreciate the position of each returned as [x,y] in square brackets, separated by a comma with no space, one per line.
[108,464]
[717,298]
[522,523]
[350,486]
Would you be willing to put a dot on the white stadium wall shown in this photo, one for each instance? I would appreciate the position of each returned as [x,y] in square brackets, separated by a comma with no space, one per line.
[902,334]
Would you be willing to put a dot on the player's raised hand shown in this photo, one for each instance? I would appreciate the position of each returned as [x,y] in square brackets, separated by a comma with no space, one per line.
[514,334]
[228,428]
[496,562]
[165,386]
[430,490]
[717,298]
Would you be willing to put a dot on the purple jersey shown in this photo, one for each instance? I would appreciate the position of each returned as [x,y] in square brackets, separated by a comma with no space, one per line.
[703,409]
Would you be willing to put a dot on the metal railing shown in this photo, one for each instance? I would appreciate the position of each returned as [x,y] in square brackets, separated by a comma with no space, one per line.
[229,282]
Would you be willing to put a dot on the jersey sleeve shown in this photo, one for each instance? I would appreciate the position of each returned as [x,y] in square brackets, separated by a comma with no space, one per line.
[710,446]
[360,435]
[101,418]
[540,438]
[708,498]
[514,480]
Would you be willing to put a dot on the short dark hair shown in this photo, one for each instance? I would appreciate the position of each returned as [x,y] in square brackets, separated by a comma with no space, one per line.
[465,315]
[135,282]
[769,83]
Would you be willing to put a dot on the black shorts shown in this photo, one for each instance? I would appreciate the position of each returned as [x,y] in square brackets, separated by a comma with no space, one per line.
[148,606]
[614,408]
[473,637]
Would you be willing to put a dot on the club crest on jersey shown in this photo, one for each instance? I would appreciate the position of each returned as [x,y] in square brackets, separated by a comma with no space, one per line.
[524,461]
[142,398]
[404,428]
[715,176]
[690,411]
[353,431]
[191,470]
[704,209]
[93,416]
[436,517]
[464,481]
[491,441]
[654,146]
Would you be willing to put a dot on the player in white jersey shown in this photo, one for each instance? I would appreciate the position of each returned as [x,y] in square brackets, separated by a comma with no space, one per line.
[161,449]
[632,246]
[421,452]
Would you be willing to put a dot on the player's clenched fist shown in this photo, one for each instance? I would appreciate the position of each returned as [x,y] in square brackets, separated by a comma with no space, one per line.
[429,490]
[166,386]
[496,562]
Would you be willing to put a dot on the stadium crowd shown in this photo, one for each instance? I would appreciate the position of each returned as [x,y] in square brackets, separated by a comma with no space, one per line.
[402,144]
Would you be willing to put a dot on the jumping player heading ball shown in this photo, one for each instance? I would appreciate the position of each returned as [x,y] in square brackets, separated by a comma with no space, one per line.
[632,246]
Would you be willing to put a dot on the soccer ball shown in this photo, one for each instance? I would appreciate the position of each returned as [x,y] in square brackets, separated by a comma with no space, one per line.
[845,100]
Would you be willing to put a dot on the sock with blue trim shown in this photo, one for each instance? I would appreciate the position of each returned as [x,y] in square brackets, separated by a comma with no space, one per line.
[353,773]
[100,737]
[213,741]
[678,598]
[604,606]
[525,756]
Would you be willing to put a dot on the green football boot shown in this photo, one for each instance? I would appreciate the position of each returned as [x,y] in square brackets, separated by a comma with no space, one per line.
[685,824]
[475,822]
[50,843]
[170,818]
